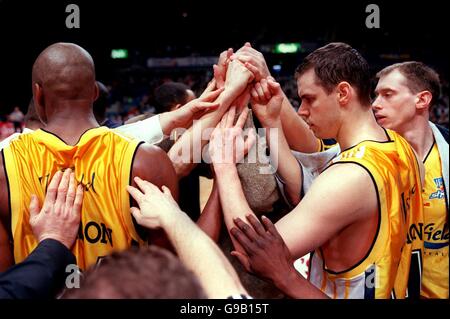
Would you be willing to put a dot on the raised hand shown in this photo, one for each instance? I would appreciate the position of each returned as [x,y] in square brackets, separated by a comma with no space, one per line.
[227,145]
[253,60]
[220,69]
[155,207]
[237,78]
[266,101]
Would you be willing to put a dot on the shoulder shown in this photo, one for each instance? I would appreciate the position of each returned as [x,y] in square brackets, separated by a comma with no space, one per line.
[347,184]
[444,131]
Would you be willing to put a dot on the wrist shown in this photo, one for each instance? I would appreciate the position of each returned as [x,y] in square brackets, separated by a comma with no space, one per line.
[170,217]
[271,122]
[223,169]
[64,241]
[290,279]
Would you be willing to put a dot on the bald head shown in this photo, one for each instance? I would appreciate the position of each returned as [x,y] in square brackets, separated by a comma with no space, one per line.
[65,71]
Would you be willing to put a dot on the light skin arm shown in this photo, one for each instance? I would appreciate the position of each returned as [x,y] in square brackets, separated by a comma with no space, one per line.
[236,82]
[183,116]
[225,152]
[298,135]
[329,206]
[195,249]
[152,164]
[267,98]
[210,220]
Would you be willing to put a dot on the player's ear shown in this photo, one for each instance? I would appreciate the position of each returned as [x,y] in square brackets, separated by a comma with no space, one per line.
[423,100]
[39,102]
[344,92]
[96,92]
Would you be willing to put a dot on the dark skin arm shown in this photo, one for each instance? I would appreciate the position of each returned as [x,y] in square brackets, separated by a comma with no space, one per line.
[267,256]
[6,249]
[210,220]
[152,164]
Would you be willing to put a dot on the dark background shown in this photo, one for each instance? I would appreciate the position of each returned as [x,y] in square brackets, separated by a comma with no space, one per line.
[182,28]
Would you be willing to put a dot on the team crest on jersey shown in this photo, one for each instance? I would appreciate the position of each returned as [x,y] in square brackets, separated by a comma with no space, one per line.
[439,193]
[357,152]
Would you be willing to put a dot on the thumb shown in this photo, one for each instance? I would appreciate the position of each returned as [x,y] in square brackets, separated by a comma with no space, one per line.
[243,259]
[274,87]
[34,206]
[136,213]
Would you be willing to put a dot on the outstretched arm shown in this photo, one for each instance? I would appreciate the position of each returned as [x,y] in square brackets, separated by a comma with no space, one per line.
[267,98]
[267,256]
[210,220]
[152,163]
[196,250]
[226,148]
[197,136]
[298,135]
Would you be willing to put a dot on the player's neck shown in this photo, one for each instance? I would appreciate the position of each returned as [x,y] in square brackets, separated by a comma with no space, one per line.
[359,126]
[419,135]
[69,126]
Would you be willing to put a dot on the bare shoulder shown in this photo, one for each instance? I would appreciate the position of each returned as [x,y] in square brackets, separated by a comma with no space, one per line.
[348,186]
[152,164]
[4,195]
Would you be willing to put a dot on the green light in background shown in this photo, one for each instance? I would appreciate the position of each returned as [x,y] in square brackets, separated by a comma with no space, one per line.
[283,48]
[119,53]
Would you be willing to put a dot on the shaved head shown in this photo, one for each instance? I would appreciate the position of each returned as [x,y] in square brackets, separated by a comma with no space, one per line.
[65,71]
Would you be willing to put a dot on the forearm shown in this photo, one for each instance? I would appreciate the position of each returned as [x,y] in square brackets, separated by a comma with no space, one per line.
[285,163]
[298,135]
[204,258]
[210,220]
[197,136]
[40,275]
[232,198]
[168,122]
[294,285]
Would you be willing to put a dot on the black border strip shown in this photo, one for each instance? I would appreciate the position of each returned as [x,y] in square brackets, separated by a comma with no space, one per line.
[378,228]
[79,139]
[9,197]
[429,152]
[373,141]
[140,230]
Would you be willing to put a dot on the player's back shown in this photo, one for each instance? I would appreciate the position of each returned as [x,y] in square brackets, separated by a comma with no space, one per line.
[102,161]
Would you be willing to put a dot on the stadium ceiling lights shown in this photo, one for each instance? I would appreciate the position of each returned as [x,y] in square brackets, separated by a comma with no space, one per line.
[119,53]
[283,48]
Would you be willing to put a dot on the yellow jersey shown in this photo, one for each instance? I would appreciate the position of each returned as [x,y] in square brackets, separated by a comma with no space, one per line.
[434,230]
[102,162]
[394,170]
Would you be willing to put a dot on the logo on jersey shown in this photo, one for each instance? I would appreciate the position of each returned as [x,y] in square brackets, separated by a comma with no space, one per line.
[433,237]
[357,152]
[94,233]
[439,193]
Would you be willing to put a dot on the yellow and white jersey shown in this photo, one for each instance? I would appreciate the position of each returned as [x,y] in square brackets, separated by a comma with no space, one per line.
[102,162]
[394,170]
[434,230]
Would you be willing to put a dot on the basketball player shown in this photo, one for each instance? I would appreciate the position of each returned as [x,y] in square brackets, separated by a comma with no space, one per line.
[355,215]
[405,94]
[104,162]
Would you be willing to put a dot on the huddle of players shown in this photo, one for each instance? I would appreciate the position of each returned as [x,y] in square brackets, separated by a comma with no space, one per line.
[374,216]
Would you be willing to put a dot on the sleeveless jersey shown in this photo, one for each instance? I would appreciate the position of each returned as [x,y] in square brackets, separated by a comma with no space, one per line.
[434,230]
[102,162]
[394,170]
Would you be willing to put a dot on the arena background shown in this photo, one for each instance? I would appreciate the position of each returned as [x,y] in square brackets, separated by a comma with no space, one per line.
[197,31]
